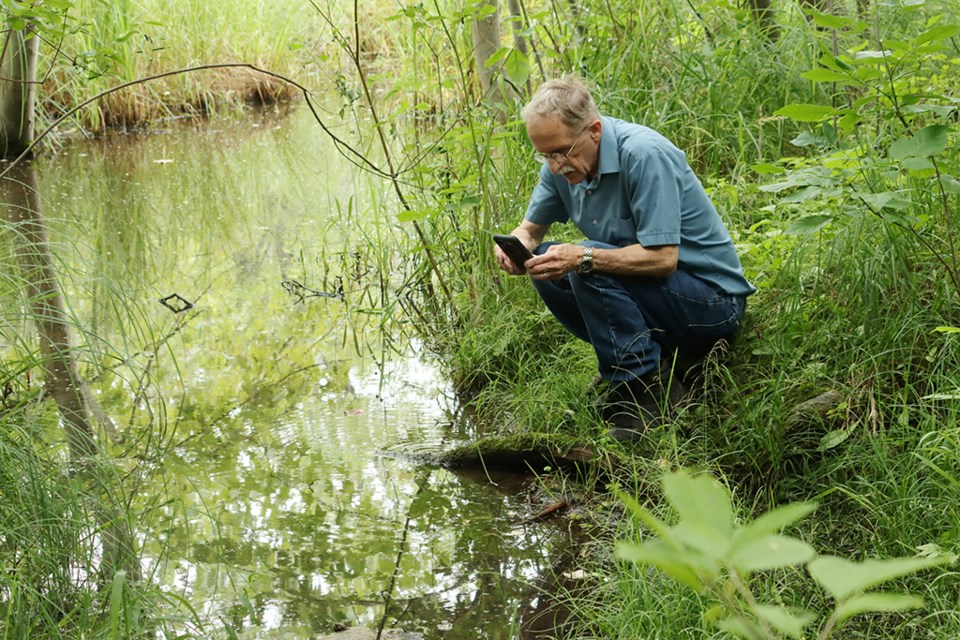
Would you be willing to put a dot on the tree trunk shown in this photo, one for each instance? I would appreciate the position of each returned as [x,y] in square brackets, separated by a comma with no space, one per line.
[62,380]
[766,18]
[18,75]
[486,42]
[519,41]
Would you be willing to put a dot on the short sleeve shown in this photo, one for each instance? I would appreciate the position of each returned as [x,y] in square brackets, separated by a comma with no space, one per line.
[654,190]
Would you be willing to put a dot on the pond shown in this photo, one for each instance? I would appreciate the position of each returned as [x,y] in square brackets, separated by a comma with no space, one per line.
[286,496]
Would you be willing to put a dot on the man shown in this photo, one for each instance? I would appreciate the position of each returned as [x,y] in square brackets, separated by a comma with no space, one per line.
[658,273]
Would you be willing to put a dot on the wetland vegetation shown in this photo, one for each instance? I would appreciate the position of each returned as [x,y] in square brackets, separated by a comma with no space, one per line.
[208,467]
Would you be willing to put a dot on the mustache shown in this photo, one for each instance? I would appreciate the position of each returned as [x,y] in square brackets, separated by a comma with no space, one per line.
[566,169]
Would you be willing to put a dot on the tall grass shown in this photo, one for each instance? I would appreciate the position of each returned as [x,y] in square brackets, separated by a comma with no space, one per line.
[116,42]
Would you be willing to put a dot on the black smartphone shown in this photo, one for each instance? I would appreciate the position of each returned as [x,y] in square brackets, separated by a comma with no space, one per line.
[515,250]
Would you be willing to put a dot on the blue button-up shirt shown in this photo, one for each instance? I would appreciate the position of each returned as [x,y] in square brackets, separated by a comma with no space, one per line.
[644,192]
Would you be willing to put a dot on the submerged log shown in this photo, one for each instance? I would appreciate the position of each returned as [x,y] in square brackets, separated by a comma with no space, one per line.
[523,452]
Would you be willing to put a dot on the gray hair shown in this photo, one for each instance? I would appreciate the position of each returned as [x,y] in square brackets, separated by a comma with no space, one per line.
[566,98]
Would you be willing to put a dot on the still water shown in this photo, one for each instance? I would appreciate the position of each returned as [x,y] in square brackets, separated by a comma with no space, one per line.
[284,500]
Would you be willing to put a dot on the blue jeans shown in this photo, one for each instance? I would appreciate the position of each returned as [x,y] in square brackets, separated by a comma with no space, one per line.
[631,320]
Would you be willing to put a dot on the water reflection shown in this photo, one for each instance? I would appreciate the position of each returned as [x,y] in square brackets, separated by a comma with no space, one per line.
[273,510]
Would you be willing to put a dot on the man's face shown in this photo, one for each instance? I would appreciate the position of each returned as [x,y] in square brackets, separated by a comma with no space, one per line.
[572,153]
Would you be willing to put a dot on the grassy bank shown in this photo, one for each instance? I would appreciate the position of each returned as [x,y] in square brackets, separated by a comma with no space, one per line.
[101,45]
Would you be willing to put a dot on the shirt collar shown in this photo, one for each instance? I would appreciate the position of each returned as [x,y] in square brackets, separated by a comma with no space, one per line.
[609,155]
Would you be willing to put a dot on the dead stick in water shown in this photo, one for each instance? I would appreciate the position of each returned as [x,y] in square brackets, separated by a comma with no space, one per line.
[548,512]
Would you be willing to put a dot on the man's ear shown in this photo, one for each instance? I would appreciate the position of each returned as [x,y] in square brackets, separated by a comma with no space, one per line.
[596,129]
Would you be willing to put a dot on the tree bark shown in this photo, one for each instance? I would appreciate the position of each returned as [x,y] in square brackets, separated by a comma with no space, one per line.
[18,75]
[486,42]
[519,41]
[766,18]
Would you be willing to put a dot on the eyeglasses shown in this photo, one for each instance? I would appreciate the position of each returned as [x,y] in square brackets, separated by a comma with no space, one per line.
[556,156]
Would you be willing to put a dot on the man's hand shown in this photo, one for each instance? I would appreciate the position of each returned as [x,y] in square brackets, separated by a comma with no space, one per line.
[506,263]
[558,261]
[531,235]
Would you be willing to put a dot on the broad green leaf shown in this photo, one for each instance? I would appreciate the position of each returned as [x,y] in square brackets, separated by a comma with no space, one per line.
[918,165]
[842,578]
[876,603]
[884,200]
[804,194]
[766,169]
[821,74]
[496,57]
[777,187]
[770,551]
[517,66]
[414,215]
[701,543]
[833,439]
[741,628]
[787,623]
[838,22]
[470,201]
[942,32]
[929,141]
[704,508]
[806,112]
[942,110]
[807,138]
[808,225]
[774,521]
[661,555]
[950,184]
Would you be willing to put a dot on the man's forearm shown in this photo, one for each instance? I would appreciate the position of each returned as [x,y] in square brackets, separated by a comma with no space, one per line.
[636,260]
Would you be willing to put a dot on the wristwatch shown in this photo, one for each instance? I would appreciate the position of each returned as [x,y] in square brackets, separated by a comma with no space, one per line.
[585,266]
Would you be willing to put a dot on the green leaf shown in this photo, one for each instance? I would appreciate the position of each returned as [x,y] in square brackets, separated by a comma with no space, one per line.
[517,67]
[950,184]
[705,511]
[806,112]
[945,329]
[808,225]
[820,74]
[766,169]
[809,138]
[770,551]
[805,193]
[918,165]
[943,32]
[787,623]
[742,628]
[469,202]
[838,22]
[412,215]
[842,578]
[929,141]
[775,520]
[876,603]
[884,200]
[661,555]
[833,439]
